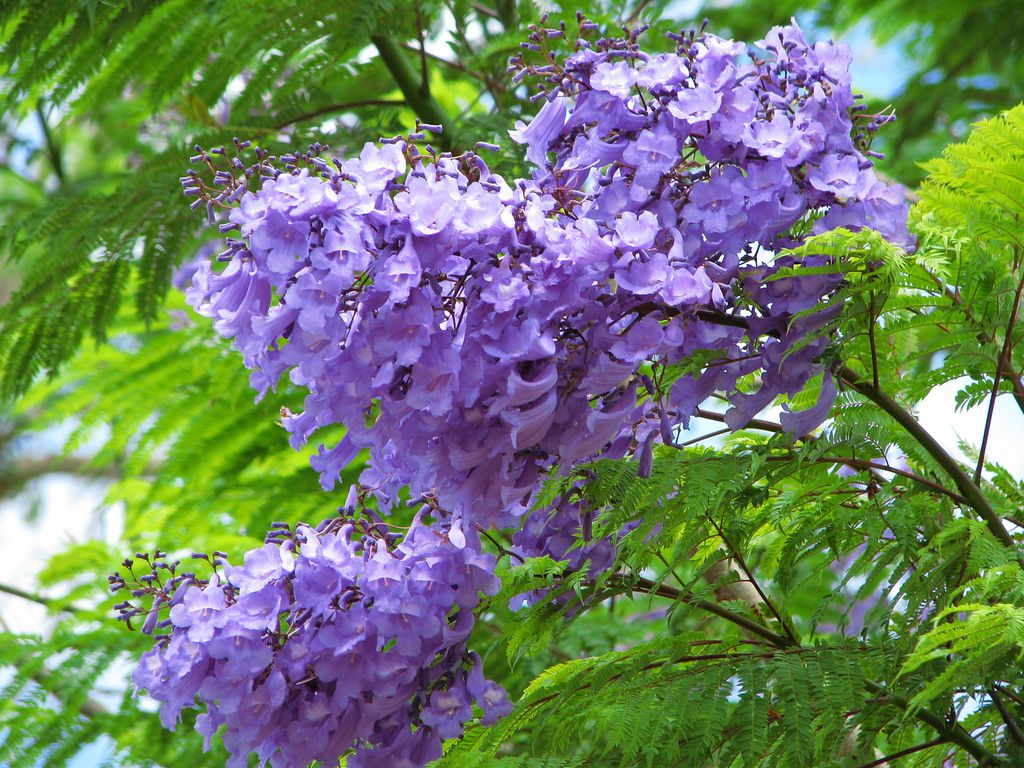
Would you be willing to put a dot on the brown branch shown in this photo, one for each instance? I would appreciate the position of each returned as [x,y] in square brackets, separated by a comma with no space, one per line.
[971,492]
[1012,726]
[738,557]
[343,107]
[952,733]
[764,426]
[768,426]
[663,590]
[34,598]
[1009,694]
[904,753]
[708,436]
[434,57]
[635,15]
[483,10]
[1004,361]
[490,84]
[29,468]
[873,467]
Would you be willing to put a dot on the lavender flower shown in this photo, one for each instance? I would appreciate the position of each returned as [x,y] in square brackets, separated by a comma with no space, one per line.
[475,335]
[326,641]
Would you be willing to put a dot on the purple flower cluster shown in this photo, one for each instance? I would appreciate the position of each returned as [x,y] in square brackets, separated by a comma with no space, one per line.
[472,333]
[370,655]
[475,335]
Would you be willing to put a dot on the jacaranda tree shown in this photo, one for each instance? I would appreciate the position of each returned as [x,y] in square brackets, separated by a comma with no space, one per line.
[497,339]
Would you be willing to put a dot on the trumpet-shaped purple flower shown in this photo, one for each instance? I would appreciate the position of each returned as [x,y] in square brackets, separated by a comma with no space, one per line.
[352,635]
[474,335]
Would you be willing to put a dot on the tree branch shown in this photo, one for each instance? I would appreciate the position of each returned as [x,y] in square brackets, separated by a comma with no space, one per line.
[970,491]
[424,69]
[53,152]
[1009,694]
[1003,363]
[874,467]
[768,426]
[417,96]
[32,597]
[764,426]
[954,734]
[30,467]
[904,753]
[434,57]
[1015,378]
[1012,726]
[738,557]
[483,10]
[662,590]
[343,107]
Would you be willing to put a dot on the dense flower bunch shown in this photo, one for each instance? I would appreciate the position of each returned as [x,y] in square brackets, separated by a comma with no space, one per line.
[475,335]
[371,655]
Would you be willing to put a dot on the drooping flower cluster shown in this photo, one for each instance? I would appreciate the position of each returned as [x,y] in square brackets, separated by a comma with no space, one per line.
[475,335]
[371,654]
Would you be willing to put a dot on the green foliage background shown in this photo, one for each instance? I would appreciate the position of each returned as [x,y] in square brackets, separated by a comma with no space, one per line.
[676,658]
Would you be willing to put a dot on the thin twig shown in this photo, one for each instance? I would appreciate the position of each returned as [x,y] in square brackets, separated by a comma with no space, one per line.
[34,598]
[53,152]
[343,107]
[1016,380]
[871,339]
[761,424]
[501,548]
[904,753]
[875,467]
[768,426]
[708,436]
[23,470]
[635,15]
[952,733]
[485,11]
[424,69]
[1012,726]
[1009,694]
[489,83]
[434,57]
[971,492]
[1004,360]
[662,590]
[738,557]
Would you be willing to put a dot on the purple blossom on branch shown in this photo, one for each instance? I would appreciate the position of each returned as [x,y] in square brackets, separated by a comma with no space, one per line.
[476,335]
[328,640]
